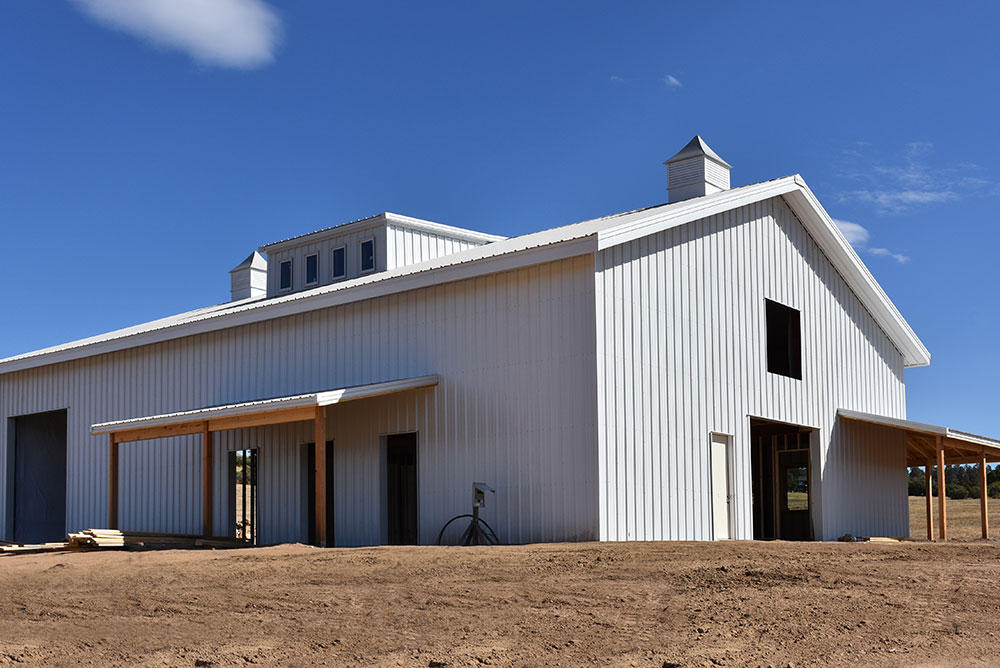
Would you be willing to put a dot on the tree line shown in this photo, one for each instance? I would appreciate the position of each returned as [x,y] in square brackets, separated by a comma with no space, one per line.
[960,481]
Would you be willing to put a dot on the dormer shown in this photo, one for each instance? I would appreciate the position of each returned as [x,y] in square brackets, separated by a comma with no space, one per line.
[359,248]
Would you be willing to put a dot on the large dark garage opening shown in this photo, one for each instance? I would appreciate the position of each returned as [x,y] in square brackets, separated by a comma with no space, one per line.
[38,493]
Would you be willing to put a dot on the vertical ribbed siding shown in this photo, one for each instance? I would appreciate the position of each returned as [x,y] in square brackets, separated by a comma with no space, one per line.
[681,341]
[406,246]
[324,249]
[514,408]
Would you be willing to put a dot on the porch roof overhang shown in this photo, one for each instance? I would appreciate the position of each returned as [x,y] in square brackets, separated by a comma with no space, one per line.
[921,440]
[250,413]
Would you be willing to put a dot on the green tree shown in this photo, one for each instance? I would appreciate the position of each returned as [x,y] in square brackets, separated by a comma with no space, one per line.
[956,491]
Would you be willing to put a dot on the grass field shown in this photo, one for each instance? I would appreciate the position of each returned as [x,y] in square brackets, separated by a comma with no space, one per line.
[963,518]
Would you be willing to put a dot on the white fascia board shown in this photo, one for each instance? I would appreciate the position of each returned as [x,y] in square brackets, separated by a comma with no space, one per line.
[919,427]
[696,209]
[820,226]
[325,398]
[848,263]
[441,229]
[377,221]
[900,423]
[507,255]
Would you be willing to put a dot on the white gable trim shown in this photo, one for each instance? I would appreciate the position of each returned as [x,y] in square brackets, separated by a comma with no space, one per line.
[820,226]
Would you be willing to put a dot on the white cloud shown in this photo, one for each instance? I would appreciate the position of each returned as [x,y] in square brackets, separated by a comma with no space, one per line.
[225,33]
[672,81]
[617,79]
[898,257]
[909,181]
[858,236]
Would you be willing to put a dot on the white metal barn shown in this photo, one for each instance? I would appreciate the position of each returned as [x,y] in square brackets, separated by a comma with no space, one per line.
[721,366]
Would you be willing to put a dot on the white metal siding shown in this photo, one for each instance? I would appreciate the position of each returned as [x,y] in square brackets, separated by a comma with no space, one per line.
[406,245]
[514,408]
[681,350]
[324,248]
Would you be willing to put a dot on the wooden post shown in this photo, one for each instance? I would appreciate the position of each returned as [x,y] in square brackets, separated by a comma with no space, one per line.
[320,486]
[942,491]
[982,494]
[928,470]
[112,483]
[207,477]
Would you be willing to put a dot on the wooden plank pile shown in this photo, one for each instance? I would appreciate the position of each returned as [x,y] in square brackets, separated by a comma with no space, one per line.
[30,548]
[97,538]
[114,539]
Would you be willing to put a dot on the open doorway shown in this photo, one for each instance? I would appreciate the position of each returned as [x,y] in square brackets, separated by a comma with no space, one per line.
[37,478]
[309,502]
[243,494]
[781,481]
[401,488]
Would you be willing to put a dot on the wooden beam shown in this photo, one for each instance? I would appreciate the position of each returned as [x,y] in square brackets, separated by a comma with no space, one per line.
[162,431]
[207,477]
[928,470]
[112,483]
[299,414]
[982,495]
[942,491]
[319,422]
[263,418]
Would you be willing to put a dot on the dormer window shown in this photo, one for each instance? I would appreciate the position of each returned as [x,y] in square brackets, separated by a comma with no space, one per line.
[312,269]
[339,263]
[367,255]
[285,276]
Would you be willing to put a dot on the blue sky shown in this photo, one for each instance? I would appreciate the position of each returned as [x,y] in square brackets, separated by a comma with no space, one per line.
[147,152]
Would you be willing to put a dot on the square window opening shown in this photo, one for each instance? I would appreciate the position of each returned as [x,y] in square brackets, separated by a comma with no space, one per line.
[339,262]
[312,269]
[285,277]
[367,255]
[784,340]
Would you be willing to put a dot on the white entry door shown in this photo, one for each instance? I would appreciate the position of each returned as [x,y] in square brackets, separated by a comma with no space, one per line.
[720,487]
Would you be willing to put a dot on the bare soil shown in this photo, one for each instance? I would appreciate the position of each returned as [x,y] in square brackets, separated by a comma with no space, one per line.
[626,604]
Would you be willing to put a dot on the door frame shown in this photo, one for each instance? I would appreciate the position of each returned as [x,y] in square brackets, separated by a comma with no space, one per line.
[384,482]
[812,441]
[10,480]
[727,440]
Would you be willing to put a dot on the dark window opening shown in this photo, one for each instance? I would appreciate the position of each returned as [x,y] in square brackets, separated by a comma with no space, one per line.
[339,265]
[784,340]
[286,275]
[312,269]
[367,255]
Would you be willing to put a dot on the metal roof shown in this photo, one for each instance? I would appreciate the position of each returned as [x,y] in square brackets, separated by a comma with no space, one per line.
[695,148]
[254,261]
[575,239]
[313,399]
[380,219]
[959,447]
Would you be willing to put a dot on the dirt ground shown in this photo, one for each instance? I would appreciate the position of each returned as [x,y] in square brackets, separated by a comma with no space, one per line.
[632,604]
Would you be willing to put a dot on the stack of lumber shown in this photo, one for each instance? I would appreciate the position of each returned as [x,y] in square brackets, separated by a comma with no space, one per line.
[112,538]
[115,538]
[15,548]
[97,538]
